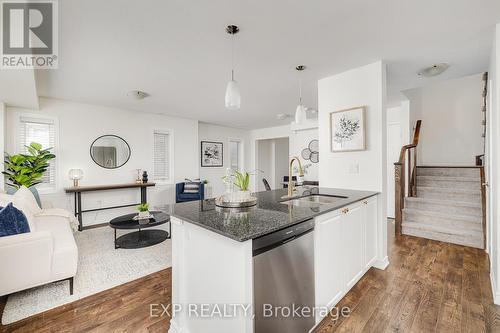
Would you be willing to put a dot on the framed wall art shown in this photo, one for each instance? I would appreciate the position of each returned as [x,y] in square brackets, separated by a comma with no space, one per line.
[212,154]
[347,129]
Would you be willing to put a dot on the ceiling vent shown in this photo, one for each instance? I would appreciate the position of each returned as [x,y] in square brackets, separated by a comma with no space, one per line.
[434,70]
[137,94]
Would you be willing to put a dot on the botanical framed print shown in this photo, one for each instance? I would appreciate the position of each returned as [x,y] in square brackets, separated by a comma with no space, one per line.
[347,129]
[212,154]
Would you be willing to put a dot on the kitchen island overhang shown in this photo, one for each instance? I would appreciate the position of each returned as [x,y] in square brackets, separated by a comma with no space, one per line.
[213,259]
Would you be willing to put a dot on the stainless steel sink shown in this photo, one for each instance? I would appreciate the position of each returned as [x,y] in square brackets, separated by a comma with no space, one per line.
[314,200]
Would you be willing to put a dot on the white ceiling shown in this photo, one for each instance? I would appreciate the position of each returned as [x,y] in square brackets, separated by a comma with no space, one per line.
[178,52]
[18,88]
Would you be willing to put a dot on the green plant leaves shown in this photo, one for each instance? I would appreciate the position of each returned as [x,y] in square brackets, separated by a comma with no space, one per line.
[27,170]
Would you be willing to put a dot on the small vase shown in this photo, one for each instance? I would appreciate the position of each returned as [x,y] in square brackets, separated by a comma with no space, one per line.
[144,215]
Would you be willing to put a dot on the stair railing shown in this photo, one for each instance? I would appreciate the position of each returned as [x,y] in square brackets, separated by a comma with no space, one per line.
[402,177]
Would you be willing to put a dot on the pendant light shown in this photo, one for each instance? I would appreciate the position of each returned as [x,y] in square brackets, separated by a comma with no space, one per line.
[233,98]
[300,112]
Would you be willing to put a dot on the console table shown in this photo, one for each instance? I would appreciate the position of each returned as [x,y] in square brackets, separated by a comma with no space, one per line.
[78,190]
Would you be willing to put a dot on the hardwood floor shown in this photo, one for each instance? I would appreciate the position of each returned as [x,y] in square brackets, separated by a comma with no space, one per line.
[429,286]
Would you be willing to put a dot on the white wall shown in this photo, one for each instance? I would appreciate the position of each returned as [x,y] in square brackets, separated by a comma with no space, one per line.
[271,162]
[398,128]
[281,156]
[493,166]
[81,124]
[2,139]
[363,86]
[265,164]
[298,140]
[209,132]
[451,120]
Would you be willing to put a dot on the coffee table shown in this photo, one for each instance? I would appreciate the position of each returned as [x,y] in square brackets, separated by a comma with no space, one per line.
[140,238]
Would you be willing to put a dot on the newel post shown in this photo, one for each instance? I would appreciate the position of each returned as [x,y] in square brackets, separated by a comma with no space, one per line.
[399,195]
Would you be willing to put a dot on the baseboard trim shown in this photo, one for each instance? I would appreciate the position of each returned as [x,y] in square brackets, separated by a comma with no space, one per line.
[495,291]
[381,264]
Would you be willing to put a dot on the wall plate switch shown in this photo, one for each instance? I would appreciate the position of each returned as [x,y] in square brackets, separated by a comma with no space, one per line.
[354,168]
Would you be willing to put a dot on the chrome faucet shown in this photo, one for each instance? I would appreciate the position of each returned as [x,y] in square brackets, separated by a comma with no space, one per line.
[291,184]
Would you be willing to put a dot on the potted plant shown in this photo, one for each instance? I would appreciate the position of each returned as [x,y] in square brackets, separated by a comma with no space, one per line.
[143,211]
[27,169]
[242,182]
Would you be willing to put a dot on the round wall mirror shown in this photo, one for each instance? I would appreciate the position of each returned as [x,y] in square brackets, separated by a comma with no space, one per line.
[110,151]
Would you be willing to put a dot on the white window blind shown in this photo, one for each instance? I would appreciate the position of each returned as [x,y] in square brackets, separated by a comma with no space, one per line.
[42,131]
[161,156]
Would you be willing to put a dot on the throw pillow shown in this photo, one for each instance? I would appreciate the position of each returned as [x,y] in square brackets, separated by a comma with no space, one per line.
[5,199]
[12,221]
[26,196]
[191,187]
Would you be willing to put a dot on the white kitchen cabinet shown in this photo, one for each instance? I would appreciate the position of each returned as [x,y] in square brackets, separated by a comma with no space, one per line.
[345,245]
[329,256]
[370,231]
[352,241]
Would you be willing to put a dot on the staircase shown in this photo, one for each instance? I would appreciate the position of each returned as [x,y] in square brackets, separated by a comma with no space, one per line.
[447,206]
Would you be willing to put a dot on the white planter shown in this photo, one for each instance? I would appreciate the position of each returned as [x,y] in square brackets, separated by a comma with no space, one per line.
[144,215]
[242,195]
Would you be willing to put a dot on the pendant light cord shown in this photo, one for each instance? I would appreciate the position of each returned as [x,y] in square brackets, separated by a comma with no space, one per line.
[232,57]
[300,89]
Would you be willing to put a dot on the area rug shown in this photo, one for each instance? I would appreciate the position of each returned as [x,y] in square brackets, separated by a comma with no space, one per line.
[100,267]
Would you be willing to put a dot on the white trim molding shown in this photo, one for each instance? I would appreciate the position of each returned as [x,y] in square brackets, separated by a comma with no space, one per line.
[494,290]
[381,264]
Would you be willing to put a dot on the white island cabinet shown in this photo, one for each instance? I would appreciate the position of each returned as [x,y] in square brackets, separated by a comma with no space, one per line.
[212,275]
[345,247]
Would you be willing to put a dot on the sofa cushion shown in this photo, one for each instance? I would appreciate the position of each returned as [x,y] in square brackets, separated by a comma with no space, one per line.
[25,195]
[18,203]
[12,221]
[65,257]
[191,187]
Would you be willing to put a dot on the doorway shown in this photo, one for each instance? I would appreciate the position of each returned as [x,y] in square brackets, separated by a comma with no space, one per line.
[272,162]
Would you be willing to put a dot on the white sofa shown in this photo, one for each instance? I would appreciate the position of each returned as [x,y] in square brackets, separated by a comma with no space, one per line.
[47,253]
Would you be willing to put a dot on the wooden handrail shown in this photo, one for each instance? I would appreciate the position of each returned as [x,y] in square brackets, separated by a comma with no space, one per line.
[400,176]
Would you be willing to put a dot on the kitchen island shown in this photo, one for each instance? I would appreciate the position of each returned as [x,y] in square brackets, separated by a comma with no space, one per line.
[219,276]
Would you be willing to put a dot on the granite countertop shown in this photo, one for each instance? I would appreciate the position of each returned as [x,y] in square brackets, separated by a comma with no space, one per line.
[269,215]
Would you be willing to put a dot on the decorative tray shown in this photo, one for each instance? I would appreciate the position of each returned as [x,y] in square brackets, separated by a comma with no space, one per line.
[137,217]
[252,201]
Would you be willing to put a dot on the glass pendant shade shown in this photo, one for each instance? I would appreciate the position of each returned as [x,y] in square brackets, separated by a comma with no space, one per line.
[300,114]
[233,98]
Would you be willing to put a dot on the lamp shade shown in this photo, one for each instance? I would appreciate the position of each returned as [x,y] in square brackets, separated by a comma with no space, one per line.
[233,98]
[75,174]
[300,114]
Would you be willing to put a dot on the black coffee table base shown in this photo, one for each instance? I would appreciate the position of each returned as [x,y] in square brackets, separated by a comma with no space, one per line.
[141,238]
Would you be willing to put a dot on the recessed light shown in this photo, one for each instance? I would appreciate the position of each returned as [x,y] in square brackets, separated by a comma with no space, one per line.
[137,94]
[434,70]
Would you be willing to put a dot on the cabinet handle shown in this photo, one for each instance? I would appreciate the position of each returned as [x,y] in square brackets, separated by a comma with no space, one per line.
[365,202]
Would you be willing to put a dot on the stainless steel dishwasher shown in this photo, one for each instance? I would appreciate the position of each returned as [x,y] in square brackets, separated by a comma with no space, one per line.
[284,280]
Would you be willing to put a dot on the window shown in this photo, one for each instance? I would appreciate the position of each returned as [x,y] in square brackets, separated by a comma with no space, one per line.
[162,156]
[235,154]
[42,131]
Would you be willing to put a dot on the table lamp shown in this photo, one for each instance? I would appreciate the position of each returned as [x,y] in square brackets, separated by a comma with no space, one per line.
[75,175]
